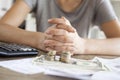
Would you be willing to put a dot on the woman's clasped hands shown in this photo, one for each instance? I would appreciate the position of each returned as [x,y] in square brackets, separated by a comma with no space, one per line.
[63,37]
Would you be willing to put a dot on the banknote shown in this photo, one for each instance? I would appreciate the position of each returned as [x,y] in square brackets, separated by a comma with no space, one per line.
[77,67]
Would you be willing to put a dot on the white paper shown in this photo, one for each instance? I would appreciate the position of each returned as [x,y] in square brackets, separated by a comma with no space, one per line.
[111,64]
[69,75]
[103,75]
[27,67]
[23,66]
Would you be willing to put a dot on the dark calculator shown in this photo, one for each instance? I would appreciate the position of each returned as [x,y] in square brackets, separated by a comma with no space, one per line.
[12,49]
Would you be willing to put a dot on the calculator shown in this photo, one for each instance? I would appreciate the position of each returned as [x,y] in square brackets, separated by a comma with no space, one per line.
[12,49]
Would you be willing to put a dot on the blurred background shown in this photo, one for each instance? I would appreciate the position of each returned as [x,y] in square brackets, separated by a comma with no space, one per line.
[30,20]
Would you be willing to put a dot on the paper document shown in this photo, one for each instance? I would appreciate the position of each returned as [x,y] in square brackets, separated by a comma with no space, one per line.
[23,66]
[105,75]
[111,64]
[83,70]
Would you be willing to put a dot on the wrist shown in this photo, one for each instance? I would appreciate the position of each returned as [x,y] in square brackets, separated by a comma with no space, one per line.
[90,46]
[38,39]
[31,39]
[86,48]
[81,46]
[83,49]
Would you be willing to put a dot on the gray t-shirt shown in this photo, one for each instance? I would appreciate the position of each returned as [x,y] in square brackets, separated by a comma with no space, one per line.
[88,14]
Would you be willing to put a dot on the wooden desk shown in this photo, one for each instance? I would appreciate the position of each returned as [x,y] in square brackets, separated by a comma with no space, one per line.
[6,74]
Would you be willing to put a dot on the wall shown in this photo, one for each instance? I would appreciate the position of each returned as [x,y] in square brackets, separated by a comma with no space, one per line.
[5,6]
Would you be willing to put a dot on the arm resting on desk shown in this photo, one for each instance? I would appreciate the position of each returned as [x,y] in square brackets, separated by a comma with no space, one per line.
[109,46]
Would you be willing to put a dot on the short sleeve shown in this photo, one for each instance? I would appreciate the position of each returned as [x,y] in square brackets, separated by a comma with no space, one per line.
[31,3]
[104,12]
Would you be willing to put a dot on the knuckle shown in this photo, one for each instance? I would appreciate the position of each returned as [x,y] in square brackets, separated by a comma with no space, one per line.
[55,20]
[64,39]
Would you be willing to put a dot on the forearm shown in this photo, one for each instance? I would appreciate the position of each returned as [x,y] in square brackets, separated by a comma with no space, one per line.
[103,46]
[12,34]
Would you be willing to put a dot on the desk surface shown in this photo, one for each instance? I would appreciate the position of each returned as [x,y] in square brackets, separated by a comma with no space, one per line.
[6,74]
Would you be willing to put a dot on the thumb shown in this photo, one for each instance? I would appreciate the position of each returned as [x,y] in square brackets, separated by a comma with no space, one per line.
[66,26]
[66,20]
